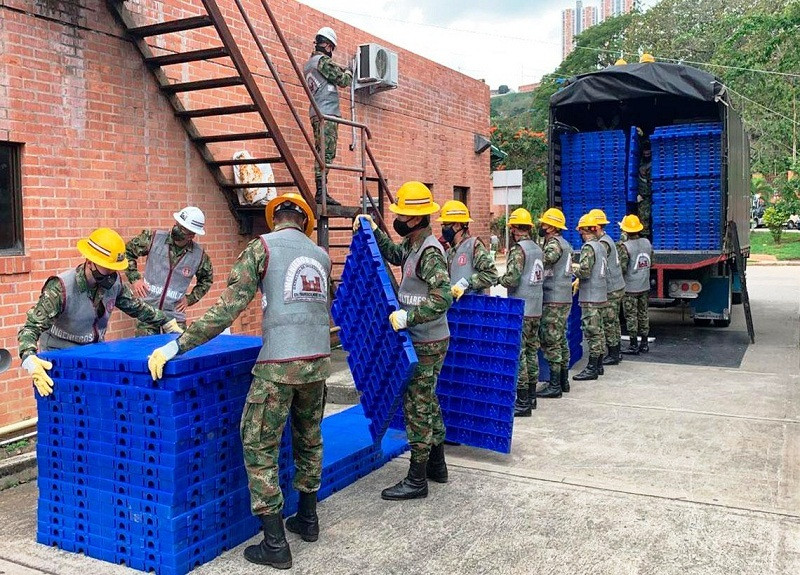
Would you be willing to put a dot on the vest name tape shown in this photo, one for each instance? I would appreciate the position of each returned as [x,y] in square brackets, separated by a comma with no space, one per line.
[306,281]
[63,334]
[158,290]
[406,299]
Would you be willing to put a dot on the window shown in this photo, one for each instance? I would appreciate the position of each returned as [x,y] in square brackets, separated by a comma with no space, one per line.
[10,200]
[460,193]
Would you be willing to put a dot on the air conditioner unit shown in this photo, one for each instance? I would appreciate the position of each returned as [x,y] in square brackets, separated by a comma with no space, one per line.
[377,68]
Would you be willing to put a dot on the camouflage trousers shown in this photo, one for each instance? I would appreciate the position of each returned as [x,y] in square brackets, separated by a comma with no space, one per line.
[261,429]
[637,319]
[645,210]
[528,374]
[423,415]
[611,326]
[553,333]
[592,328]
[331,138]
[148,329]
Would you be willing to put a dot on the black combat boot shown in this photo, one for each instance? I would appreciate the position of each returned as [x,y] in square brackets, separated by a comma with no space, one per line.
[599,366]
[318,196]
[613,357]
[305,522]
[565,379]
[436,469]
[590,371]
[553,388]
[644,347]
[522,406]
[414,486]
[633,347]
[273,549]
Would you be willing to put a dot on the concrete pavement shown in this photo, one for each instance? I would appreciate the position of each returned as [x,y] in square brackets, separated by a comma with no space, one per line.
[654,469]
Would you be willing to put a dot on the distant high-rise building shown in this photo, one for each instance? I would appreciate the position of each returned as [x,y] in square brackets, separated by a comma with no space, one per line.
[567,31]
[606,9]
[611,8]
[589,17]
[578,19]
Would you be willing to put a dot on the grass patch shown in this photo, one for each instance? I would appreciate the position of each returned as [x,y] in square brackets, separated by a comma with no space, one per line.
[16,446]
[789,249]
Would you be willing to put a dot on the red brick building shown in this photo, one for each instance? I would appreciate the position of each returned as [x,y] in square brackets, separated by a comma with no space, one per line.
[90,141]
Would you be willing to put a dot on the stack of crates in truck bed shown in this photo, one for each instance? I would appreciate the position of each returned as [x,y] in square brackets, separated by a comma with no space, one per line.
[686,187]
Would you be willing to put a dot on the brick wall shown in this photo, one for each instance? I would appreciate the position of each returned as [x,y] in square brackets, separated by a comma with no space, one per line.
[101,146]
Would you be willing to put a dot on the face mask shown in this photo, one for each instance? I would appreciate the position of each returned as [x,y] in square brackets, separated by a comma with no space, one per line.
[449,234]
[542,232]
[403,229]
[103,281]
[178,233]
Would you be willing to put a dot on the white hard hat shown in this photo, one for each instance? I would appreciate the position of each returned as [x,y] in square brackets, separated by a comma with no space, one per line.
[328,34]
[192,219]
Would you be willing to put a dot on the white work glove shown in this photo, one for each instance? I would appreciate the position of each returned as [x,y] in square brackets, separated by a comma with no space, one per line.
[172,326]
[575,268]
[37,368]
[159,358]
[459,288]
[639,197]
[399,319]
[367,217]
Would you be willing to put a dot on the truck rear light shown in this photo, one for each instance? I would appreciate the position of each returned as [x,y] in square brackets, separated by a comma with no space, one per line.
[686,289]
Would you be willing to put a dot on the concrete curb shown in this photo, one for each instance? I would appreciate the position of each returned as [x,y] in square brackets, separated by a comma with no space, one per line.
[775,263]
[17,463]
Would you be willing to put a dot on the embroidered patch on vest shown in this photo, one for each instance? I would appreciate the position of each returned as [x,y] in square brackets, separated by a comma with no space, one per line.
[187,272]
[537,273]
[306,280]
[642,261]
[462,259]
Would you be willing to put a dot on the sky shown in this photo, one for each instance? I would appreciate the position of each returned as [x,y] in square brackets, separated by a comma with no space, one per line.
[510,42]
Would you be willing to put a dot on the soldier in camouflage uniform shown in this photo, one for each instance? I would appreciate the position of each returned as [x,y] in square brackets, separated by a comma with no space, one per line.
[471,267]
[616,291]
[323,76]
[557,301]
[645,197]
[636,256]
[524,278]
[289,375]
[593,295]
[173,258]
[424,298]
[75,306]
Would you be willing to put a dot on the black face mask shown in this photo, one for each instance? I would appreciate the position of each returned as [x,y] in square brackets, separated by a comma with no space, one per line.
[103,281]
[403,229]
[178,233]
[542,232]
[449,234]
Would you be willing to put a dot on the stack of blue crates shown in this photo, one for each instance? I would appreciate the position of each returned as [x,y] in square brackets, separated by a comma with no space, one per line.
[593,175]
[687,192]
[380,359]
[632,169]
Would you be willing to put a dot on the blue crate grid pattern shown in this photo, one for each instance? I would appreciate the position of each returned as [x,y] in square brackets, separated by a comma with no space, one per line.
[687,192]
[380,359]
[632,168]
[477,385]
[593,175]
[574,339]
[146,474]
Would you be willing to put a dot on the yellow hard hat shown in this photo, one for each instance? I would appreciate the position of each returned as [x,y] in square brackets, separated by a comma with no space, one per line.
[631,224]
[587,221]
[554,217]
[106,248]
[414,199]
[599,216]
[298,201]
[620,62]
[520,217]
[646,58]
[454,211]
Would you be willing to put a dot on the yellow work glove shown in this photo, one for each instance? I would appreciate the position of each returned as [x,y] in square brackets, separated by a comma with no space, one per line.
[575,286]
[172,327]
[159,358]
[399,319]
[459,288]
[37,368]
[367,217]
[576,268]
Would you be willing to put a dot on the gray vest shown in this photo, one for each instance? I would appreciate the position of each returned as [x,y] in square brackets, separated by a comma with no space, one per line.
[594,288]
[169,284]
[413,291]
[614,278]
[637,274]
[326,94]
[79,322]
[461,265]
[294,301]
[558,277]
[532,280]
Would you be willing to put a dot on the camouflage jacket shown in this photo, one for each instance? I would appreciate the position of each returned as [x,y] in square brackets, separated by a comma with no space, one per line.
[433,270]
[644,178]
[242,287]
[624,256]
[586,262]
[140,246]
[333,72]
[51,304]
[552,251]
[485,275]
[514,265]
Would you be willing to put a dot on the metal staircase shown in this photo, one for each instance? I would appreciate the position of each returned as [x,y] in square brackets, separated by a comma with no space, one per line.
[216,62]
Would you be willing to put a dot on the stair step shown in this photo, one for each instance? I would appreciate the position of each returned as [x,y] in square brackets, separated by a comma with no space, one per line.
[203,85]
[232,186]
[221,111]
[182,57]
[272,160]
[232,138]
[171,26]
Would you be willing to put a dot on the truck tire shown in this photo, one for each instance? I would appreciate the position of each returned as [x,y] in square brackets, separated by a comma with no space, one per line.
[722,322]
[736,298]
[701,322]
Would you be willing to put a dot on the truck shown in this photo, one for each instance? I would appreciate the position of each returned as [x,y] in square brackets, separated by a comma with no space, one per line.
[700,176]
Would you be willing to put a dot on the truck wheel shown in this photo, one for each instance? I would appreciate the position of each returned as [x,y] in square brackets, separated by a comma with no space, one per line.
[701,322]
[722,322]
[736,298]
